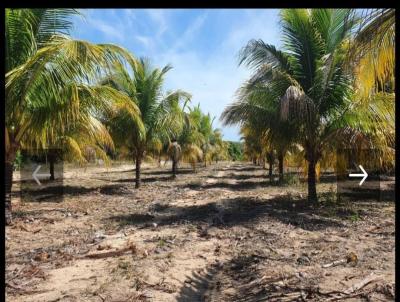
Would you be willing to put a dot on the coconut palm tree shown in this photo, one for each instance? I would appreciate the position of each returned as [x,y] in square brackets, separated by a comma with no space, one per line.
[42,66]
[190,139]
[253,145]
[158,110]
[371,59]
[175,152]
[204,126]
[371,54]
[86,132]
[219,147]
[307,77]
[207,132]
[260,109]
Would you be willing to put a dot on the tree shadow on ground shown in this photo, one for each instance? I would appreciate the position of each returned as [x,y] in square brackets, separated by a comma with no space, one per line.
[241,279]
[239,176]
[123,171]
[168,172]
[238,186]
[145,179]
[58,192]
[326,177]
[196,286]
[236,211]
[245,168]
[53,193]
[366,194]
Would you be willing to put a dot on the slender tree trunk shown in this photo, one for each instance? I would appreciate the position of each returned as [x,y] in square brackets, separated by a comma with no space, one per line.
[51,161]
[9,176]
[280,166]
[138,166]
[312,190]
[10,158]
[174,168]
[270,168]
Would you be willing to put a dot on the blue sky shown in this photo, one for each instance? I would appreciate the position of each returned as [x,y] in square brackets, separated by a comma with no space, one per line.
[201,44]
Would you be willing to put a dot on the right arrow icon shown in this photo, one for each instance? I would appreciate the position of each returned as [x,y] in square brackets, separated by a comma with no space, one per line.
[364,175]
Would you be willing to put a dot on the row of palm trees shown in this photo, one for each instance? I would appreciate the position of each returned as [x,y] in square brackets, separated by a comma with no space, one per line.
[62,93]
[330,86]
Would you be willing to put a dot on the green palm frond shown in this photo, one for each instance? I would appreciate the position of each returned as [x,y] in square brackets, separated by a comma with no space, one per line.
[257,53]
[160,115]
[371,53]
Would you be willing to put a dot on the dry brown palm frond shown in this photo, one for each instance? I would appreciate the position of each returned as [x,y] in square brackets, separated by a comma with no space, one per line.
[296,104]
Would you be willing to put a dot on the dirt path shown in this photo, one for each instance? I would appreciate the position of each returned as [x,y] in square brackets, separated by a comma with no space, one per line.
[223,233]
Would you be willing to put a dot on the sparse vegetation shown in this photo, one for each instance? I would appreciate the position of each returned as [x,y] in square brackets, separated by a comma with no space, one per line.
[158,206]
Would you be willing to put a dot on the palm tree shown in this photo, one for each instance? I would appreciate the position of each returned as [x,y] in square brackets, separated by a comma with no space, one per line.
[42,66]
[253,145]
[86,132]
[190,139]
[307,77]
[158,110]
[371,53]
[260,109]
[371,58]
[205,130]
[175,152]
[219,147]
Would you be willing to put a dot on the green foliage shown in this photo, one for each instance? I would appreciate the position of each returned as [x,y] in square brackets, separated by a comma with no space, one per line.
[354,217]
[51,98]
[291,179]
[18,160]
[235,151]
[304,94]
[160,115]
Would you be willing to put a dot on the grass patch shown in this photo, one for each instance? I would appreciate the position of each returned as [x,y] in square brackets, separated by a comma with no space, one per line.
[290,180]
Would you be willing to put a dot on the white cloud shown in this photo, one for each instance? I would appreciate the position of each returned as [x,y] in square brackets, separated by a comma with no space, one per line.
[113,32]
[189,33]
[213,76]
[146,41]
[160,18]
[213,82]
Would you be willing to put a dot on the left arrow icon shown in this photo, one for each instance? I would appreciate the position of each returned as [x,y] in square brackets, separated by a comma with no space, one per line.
[36,176]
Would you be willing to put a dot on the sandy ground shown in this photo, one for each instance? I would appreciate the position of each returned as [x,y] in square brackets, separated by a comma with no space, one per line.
[223,233]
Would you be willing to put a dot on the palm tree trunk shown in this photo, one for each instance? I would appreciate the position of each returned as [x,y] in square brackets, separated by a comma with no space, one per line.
[270,167]
[10,158]
[312,190]
[173,168]
[280,166]
[9,177]
[51,161]
[138,166]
